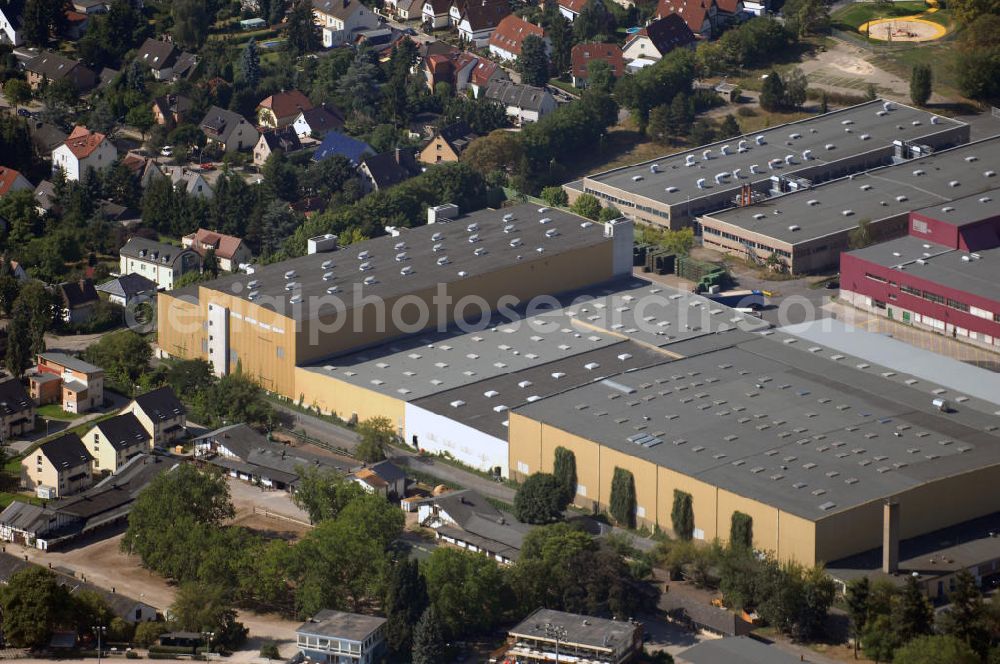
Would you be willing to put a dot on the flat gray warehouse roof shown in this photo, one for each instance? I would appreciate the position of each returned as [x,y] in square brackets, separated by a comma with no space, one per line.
[426,364]
[880,193]
[441,253]
[807,431]
[977,273]
[851,131]
[966,210]
[485,405]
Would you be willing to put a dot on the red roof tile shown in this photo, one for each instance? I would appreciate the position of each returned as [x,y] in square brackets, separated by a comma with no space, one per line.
[287,104]
[225,245]
[575,6]
[82,142]
[590,52]
[694,12]
[7,178]
[511,31]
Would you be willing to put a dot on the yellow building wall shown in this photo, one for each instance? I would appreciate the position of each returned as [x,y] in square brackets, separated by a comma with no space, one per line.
[588,462]
[332,395]
[525,446]
[179,328]
[703,501]
[646,486]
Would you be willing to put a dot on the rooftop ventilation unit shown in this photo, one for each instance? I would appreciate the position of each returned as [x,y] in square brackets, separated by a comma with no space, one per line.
[545,220]
[437,247]
[399,246]
[509,228]
[290,274]
[327,276]
[540,250]
[759,139]
[364,267]
[636,178]
[989,174]
[789,159]
[654,168]
[794,136]
[881,113]
[479,251]
[586,224]
[866,187]
[947,208]
[406,269]
[741,146]
[985,199]
[701,183]
[364,255]
[401,256]
[954,183]
[719,177]
[295,299]
[516,242]
[847,213]
[759,216]
[369,281]
[916,123]
[848,130]
[508,217]
[252,295]
[333,289]
[671,190]
[443,260]
[887,106]
[754,168]
[901,198]
[807,155]
[935,120]
[437,237]
[829,146]
[327,265]
[471,228]
[543,210]
[551,233]
[689,160]
[812,202]
[847,122]
[794,227]
[736,173]
[919,172]
[291,285]
[474,238]
[971,158]
[865,137]
[457,403]
[252,284]
[724,149]
[463,273]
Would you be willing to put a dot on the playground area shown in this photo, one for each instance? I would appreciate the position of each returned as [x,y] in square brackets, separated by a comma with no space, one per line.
[904,21]
[908,29]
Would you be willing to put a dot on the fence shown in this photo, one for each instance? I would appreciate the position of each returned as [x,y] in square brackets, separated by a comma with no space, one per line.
[263,511]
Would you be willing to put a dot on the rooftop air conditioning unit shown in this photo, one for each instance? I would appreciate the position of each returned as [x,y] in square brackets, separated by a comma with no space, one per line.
[295,299]
[252,295]
[807,155]
[364,267]
[741,146]
[327,265]
[636,178]
[399,246]
[437,247]
[437,237]
[516,242]
[754,168]
[443,260]
[794,135]
[509,228]
[508,217]
[401,256]
[474,238]
[364,255]
[252,284]
[794,227]
[290,274]
[545,220]
[328,276]
[479,251]
[724,149]
[654,168]
[671,189]
[543,210]
[405,270]
[701,183]
[706,155]
[935,120]
[471,228]
[369,281]
[333,289]
[291,285]
[551,233]
[689,160]
[759,138]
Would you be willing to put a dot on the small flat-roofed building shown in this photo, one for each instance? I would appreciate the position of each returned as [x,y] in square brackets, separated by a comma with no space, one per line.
[67,380]
[577,638]
[335,636]
[806,229]
[60,467]
[941,277]
[675,189]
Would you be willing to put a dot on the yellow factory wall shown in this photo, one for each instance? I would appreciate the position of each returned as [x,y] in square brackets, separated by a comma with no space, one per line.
[332,395]
[179,329]
[588,463]
[644,473]
[257,347]
[555,273]
[704,502]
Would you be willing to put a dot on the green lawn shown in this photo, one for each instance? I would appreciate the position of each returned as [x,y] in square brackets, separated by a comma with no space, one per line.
[52,411]
[6,498]
[856,14]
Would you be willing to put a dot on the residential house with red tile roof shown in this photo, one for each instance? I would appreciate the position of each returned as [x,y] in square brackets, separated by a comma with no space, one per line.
[83,149]
[583,54]
[484,74]
[453,68]
[280,110]
[230,251]
[659,38]
[571,8]
[477,19]
[506,40]
[12,180]
[699,15]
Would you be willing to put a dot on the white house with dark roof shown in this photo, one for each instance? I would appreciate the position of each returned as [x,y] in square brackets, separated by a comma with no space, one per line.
[166,61]
[114,441]
[317,121]
[161,414]
[158,262]
[524,103]
[60,467]
[228,130]
[128,288]
[10,25]
[340,19]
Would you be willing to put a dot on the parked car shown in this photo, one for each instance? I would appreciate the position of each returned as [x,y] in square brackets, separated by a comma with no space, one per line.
[208,166]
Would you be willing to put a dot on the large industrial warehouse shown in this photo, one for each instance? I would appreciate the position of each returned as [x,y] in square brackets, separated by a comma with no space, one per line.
[808,229]
[673,190]
[304,310]
[808,441]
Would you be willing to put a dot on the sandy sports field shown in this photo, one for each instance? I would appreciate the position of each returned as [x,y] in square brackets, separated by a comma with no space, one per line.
[908,29]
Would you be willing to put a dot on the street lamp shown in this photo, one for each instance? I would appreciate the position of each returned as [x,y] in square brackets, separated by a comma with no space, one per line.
[99,630]
[557,632]
[208,635]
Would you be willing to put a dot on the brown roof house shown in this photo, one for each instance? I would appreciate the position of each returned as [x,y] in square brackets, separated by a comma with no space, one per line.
[230,251]
[166,61]
[659,38]
[699,15]
[477,19]
[48,67]
[11,180]
[171,110]
[82,150]
[280,110]
[315,122]
[448,144]
[79,300]
[60,467]
[506,40]
[583,54]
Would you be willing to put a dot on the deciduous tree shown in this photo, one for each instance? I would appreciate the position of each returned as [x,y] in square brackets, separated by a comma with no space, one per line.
[539,499]
[533,62]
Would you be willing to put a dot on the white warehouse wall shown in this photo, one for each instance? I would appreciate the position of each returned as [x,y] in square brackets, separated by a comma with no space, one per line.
[437,434]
